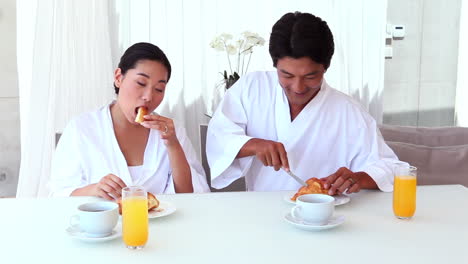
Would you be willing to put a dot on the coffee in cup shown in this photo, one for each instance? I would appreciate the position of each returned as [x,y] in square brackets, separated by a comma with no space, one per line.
[96,219]
[314,209]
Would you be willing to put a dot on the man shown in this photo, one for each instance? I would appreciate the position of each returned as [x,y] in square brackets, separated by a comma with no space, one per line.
[290,120]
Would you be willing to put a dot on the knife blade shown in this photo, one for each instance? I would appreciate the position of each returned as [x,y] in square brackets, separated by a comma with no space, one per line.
[299,180]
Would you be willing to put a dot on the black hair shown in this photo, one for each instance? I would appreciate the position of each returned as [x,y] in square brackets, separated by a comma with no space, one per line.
[299,35]
[142,51]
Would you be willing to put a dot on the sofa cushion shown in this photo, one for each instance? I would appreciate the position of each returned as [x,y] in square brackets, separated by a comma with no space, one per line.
[426,136]
[436,165]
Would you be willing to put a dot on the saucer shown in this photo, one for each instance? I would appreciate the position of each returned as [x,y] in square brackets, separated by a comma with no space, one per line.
[334,221]
[339,199]
[76,233]
[164,208]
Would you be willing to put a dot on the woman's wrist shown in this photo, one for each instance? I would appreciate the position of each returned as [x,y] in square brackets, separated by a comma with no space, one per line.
[84,191]
[173,147]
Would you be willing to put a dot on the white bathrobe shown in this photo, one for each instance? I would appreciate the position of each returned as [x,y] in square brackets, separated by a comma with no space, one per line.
[332,131]
[88,150]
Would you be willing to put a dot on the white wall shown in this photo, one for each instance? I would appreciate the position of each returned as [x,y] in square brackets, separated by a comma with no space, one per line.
[9,101]
[420,79]
[461,107]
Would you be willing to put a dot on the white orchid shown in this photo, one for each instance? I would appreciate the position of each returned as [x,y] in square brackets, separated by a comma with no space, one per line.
[239,48]
[225,36]
[253,38]
[217,44]
[231,49]
[220,42]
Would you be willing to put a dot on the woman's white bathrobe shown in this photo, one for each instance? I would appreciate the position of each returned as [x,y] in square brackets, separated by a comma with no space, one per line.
[88,150]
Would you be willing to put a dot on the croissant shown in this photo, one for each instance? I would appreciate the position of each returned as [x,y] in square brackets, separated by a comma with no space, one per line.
[314,185]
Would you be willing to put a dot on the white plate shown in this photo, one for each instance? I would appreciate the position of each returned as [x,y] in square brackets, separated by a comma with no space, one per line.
[80,235]
[164,208]
[339,199]
[333,222]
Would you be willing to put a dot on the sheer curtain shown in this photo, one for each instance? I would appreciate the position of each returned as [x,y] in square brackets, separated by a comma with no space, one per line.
[66,69]
[72,47]
[184,29]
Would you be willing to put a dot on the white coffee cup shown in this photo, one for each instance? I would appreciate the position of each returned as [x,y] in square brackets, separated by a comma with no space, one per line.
[315,209]
[96,219]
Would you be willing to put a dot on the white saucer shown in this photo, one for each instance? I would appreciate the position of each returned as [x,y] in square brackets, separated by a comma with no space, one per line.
[164,208]
[339,199]
[333,222]
[80,235]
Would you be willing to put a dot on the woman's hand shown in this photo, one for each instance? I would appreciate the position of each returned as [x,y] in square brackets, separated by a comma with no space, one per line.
[181,173]
[109,187]
[165,126]
[346,180]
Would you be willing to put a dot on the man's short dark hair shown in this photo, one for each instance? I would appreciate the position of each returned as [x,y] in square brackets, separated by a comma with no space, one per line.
[300,35]
[142,51]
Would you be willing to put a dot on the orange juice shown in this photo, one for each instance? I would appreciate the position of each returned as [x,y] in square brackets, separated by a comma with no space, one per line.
[135,221]
[404,196]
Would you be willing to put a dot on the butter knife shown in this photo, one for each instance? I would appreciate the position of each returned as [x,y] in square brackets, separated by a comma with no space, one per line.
[299,180]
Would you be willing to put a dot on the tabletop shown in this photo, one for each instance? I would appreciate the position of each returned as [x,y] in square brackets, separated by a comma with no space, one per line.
[249,227]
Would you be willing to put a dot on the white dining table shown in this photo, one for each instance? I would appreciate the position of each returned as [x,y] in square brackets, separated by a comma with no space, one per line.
[249,227]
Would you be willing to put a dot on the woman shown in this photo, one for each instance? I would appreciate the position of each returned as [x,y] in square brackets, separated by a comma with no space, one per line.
[103,151]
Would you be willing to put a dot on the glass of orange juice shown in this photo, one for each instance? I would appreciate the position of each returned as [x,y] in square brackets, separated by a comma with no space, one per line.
[404,192]
[134,217]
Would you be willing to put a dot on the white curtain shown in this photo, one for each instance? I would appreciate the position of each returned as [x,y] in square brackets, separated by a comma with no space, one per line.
[461,108]
[66,69]
[184,29]
[77,45]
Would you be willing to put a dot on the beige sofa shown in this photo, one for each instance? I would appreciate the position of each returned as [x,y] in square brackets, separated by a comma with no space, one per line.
[440,154]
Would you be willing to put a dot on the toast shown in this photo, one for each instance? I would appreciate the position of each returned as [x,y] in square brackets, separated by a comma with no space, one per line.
[153,203]
[142,111]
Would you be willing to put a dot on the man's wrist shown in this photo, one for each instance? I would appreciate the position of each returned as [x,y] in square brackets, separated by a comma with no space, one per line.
[249,148]
[365,180]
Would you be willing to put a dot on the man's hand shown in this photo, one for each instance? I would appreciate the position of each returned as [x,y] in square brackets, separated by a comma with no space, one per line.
[270,153]
[343,179]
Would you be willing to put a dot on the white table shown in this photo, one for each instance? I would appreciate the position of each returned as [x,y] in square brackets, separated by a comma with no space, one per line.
[249,228]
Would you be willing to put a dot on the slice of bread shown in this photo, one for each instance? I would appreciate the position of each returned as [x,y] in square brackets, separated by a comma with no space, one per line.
[142,111]
[153,203]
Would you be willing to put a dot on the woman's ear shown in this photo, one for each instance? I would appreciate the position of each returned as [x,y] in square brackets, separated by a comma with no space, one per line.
[118,77]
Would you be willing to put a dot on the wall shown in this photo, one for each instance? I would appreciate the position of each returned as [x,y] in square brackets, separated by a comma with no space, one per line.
[461,107]
[9,101]
[420,79]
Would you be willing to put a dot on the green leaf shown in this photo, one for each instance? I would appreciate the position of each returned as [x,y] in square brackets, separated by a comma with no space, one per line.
[236,76]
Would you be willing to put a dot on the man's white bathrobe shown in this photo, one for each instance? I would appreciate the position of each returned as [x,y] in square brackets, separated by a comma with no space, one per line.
[332,131]
[88,150]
